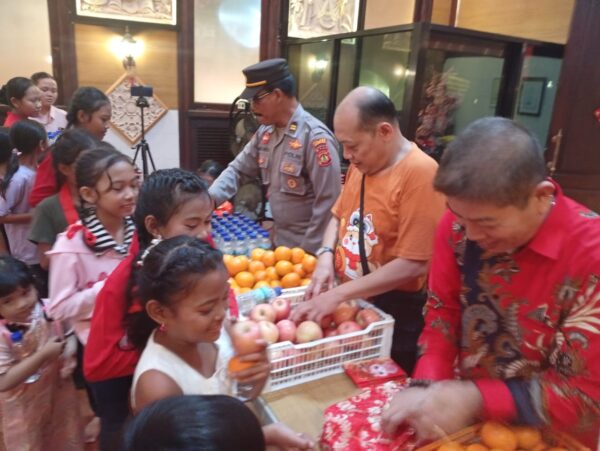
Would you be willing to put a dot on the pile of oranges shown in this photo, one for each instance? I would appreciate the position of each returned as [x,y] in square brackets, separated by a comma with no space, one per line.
[497,436]
[283,267]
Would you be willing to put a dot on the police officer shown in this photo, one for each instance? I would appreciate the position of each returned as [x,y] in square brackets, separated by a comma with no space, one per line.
[295,155]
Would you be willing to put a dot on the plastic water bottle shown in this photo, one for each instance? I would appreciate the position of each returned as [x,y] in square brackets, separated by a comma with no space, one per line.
[19,353]
[252,241]
[264,241]
[227,247]
[247,301]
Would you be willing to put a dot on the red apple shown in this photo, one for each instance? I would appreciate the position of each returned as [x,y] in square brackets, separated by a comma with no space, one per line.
[348,327]
[345,311]
[326,322]
[282,308]
[244,335]
[366,317]
[331,332]
[287,330]
[308,331]
[269,331]
[263,312]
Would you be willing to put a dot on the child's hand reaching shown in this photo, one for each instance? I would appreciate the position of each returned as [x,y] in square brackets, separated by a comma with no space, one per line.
[286,439]
[258,373]
[52,349]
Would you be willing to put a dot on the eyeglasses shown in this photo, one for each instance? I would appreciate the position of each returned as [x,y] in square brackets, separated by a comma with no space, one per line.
[257,98]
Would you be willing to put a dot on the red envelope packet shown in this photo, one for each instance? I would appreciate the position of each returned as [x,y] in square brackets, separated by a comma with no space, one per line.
[355,424]
[373,372]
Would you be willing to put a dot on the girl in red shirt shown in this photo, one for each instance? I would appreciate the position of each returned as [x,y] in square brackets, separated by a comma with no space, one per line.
[90,110]
[24,98]
[171,202]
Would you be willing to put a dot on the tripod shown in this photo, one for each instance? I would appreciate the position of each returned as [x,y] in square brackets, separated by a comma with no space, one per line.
[143,147]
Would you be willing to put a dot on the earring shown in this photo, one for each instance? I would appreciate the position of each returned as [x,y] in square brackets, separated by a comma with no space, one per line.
[162,328]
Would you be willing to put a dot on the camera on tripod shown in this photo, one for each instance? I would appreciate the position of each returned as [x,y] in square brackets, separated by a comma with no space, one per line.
[141,92]
[142,148]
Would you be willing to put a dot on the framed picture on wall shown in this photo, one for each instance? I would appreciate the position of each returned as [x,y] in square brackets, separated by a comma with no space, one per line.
[531,95]
[162,12]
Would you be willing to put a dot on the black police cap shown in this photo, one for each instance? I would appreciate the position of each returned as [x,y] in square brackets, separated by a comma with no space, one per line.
[261,75]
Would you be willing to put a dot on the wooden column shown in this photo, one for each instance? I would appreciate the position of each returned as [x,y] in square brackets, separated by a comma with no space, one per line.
[62,42]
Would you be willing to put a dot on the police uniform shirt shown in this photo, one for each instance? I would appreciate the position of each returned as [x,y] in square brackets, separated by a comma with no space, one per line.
[300,167]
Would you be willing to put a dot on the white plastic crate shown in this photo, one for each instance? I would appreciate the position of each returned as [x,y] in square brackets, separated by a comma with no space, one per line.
[295,295]
[293,364]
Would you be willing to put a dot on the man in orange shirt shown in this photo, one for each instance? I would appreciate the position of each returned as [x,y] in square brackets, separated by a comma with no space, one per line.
[381,250]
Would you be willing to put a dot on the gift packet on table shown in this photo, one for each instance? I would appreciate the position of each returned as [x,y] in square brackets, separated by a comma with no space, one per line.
[355,424]
[374,371]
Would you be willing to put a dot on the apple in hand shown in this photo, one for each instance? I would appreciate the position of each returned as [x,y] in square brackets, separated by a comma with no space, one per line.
[367,316]
[244,335]
[308,331]
[287,330]
[345,311]
[348,327]
[263,312]
[269,331]
[282,308]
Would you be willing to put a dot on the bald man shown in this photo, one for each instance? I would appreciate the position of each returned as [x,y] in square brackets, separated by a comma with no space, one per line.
[380,251]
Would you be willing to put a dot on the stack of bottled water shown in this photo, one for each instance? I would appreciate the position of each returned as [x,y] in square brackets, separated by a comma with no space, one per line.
[237,234]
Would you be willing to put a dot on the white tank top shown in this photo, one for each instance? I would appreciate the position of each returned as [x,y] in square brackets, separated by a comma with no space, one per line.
[157,357]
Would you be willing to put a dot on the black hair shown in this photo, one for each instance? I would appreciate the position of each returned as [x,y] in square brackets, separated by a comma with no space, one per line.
[375,107]
[210,167]
[93,163]
[14,274]
[87,99]
[35,78]
[287,85]
[67,148]
[194,423]
[168,272]
[494,160]
[25,136]
[15,87]
[5,147]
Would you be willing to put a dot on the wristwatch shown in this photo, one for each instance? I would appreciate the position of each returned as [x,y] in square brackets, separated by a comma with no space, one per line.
[323,250]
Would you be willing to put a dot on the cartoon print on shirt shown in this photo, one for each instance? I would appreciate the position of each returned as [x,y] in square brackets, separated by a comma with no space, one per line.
[352,266]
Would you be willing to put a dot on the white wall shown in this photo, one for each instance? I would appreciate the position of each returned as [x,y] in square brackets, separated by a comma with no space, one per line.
[163,140]
[25,43]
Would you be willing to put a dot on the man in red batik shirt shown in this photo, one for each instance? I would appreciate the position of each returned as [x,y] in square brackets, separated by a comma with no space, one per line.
[512,325]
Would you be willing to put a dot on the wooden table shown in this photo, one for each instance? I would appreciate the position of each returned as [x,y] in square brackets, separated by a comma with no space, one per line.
[301,407]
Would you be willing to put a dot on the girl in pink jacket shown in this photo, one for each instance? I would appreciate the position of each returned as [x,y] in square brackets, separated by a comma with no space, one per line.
[88,251]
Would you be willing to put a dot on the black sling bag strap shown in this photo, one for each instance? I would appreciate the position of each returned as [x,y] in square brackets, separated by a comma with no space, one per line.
[361,229]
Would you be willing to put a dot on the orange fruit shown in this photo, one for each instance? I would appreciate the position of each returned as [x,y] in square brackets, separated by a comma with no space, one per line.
[237,264]
[257,254]
[297,255]
[283,253]
[261,283]
[557,448]
[290,280]
[527,436]
[235,365]
[309,263]
[260,275]
[243,290]
[244,279]
[304,282]
[271,273]
[496,435]
[476,447]
[275,283]
[268,258]
[236,290]
[298,269]
[232,283]
[254,266]
[227,258]
[284,267]
[451,446]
